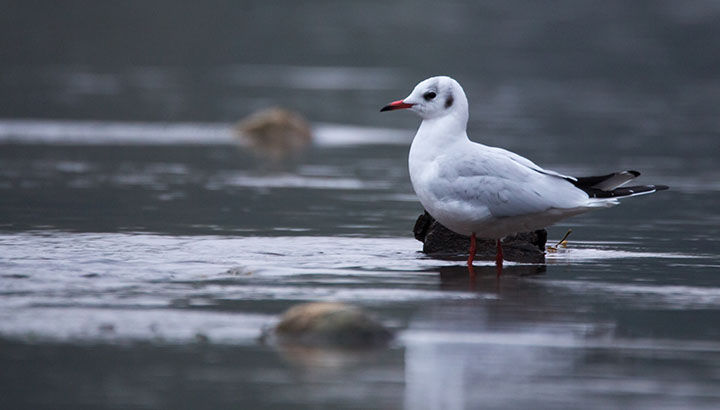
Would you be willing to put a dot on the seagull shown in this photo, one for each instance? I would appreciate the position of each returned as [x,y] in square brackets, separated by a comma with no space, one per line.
[488,192]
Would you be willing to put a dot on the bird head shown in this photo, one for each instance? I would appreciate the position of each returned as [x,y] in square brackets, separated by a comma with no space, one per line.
[433,98]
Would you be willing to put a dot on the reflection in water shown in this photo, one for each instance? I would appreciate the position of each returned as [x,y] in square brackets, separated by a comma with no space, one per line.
[458,277]
[560,363]
[453,373]
[326,356]
[537,342]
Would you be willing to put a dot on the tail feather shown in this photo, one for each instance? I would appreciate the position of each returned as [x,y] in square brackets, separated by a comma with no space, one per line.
[605,182]
[626,192]
[611,185]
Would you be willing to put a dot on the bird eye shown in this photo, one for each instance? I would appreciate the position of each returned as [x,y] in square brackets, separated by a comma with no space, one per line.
[429,95]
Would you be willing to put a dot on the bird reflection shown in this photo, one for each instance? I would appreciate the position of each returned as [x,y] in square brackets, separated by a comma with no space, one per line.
[457,278]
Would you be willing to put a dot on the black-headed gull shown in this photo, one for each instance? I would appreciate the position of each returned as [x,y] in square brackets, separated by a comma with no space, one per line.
[489,192]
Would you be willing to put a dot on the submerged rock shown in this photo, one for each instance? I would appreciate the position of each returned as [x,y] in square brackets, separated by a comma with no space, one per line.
[527,247]
[329,323]
[275,133]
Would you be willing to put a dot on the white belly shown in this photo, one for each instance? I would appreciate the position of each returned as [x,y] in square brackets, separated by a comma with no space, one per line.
[467,220]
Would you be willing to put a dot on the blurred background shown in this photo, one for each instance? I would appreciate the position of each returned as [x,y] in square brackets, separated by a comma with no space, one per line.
[142,251]
[338,61]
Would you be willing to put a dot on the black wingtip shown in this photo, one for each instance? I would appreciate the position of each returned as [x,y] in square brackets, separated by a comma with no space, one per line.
[626,191]
[633,172]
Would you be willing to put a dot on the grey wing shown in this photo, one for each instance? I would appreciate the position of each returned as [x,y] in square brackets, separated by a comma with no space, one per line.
[509,187]
[527,163]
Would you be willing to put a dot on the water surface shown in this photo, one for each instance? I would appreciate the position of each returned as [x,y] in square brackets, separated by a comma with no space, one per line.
[146,272]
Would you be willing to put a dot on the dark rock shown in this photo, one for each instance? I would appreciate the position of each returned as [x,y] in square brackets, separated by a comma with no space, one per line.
[528,247]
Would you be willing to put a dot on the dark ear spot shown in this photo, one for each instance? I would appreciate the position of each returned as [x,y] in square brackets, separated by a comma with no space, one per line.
[449,102]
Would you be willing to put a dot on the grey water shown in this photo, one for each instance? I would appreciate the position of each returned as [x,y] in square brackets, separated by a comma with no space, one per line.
[143,250]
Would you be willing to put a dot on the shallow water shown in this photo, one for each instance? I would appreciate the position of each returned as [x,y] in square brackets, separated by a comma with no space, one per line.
[144,248]
[145,274]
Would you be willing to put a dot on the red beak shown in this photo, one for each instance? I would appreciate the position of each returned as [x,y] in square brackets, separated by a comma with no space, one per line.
[395,105]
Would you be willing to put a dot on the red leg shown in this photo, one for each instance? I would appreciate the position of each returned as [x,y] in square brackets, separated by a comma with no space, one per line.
[471,258]
[473,249]
[499,256]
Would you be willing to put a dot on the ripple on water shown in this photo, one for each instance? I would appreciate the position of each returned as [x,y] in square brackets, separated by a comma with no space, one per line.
[134,280]
[241,179]
[595,251]
[139,133]
[90,278]
[88,325]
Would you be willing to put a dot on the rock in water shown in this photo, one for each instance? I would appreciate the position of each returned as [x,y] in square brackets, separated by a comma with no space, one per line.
[327,323]
[275,133]
[527,247]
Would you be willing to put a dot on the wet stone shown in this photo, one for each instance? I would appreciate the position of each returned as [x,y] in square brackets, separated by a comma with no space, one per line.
[275,133]
[439,241]
[329,323]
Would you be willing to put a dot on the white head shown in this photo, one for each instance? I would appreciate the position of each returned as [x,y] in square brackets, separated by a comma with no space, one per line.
[435,97]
